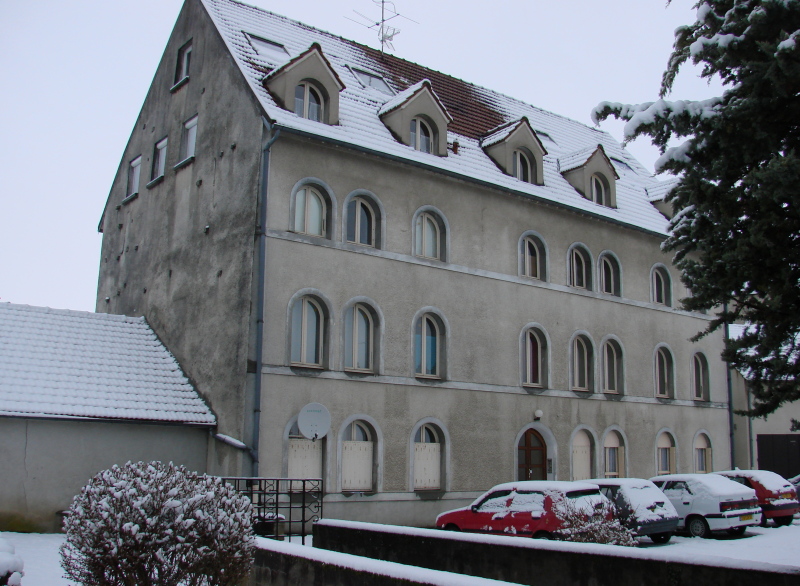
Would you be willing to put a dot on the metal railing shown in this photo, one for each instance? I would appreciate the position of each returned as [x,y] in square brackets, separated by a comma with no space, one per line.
[282,506]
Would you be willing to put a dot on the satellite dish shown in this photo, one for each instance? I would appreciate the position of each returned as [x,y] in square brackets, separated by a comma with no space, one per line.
[314,421]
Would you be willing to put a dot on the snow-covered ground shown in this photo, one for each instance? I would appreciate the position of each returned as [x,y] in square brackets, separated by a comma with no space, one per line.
[772,545]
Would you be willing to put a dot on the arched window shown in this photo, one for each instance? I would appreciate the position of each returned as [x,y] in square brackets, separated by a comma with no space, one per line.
[361,222]
[308,102]
[610,278]
[428,333]
[358,457]
[521,167]
[582,364]
[700,388]
[421,135]
[359,339]
[702,454]
[580,268]
[533,258]
[601,192]
[582,455]
[304,457]
[612,367]
[665,454]
[308,322]
[661,286]
[429,236]
[427,458]
[535,374]
[614,453]
[665,379]
[310,212]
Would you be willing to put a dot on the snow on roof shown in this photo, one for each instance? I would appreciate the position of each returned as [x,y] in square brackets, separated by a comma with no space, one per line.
[661,189]
[60,363]
[546,485]
[767,479]
[717,484]
[576,159]
[476,111]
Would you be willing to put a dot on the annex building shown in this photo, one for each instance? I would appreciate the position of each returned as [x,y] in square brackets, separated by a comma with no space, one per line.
[473,287]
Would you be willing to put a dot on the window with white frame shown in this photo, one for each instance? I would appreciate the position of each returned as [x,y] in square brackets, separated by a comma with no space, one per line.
[188,139]
[665,454]
[601,191]
[612,367]
[610,279]
[358,458]
[521,167]
[614,454]
[580,268]
[361,222]
[134,171]
[700,388]
[421,135]
[159,159]
[427,458]
[535,359]
[429,236]
[184,60]
[702,454]
[428,334]
[534,261]
[307,334]
[582,364]
[359,339]
[665,383]
[661,287]
[308,102]
[310,212]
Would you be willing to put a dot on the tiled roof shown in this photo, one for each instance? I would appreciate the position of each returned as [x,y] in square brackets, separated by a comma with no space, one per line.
[60,363]
[475,110]
[660,191]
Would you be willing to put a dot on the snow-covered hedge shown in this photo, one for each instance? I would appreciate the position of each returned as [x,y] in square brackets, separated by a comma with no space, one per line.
[599,525]
[157,524]
[10,565]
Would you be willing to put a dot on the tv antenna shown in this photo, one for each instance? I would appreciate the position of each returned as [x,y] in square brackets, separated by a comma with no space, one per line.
[386,33]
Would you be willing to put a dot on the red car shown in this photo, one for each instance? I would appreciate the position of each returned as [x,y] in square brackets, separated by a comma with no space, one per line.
[776,496]
[523,508]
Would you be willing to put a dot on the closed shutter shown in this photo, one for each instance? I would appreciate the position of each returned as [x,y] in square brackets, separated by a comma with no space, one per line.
[357,466]
[427,466]
[621,461]
[305,460]
[581,462]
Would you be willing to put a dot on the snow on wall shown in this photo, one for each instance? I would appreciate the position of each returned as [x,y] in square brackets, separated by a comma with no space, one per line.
[74,364]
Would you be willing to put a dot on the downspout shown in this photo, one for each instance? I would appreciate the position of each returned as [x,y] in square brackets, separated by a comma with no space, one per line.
[261,232]
[730,394]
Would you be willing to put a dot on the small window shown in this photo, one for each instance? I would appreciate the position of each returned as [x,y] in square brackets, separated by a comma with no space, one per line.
[700,378]
[427,458]
[702,454]
[159,159]
[310,212]
[535,359]
[665,385]
[580,268]
[612,367]
[421,135]
[308,102]
[614,452]
[184,60]
[359,339]
[610,282]
[601,192]
[188,139]
[373,81]
[429,236]
[582,364]
[267,48]
[665,455]
[521,167]
[134,170]
[662,287]
[361,222]
[307,332]
[427,346]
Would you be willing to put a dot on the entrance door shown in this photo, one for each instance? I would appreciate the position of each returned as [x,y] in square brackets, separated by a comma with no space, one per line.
[531,457]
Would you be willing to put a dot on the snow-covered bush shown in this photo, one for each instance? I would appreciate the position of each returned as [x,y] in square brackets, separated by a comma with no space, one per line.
[157,524]
[10,565]
[594,522]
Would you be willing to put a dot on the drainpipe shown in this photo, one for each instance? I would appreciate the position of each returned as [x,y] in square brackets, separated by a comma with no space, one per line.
[730,394]
[261,232]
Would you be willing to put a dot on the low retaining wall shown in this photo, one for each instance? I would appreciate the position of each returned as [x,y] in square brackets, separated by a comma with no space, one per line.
[532,562]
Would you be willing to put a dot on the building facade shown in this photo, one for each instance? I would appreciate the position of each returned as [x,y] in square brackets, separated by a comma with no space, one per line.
[471,286]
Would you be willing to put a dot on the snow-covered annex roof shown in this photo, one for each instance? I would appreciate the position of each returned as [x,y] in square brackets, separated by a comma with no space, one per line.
[475,110]
[59,363]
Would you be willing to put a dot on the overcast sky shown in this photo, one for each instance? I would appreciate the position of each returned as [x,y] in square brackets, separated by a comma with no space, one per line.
[74,76]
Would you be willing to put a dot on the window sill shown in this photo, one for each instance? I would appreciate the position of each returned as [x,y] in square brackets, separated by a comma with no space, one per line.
[427,376]
[358,371]
[184,163]
[532,386]
[179,85]
[155,182]
[130,198]
[307,366]
[607,392]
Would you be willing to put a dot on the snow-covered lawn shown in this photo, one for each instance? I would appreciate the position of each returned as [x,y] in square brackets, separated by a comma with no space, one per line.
[772,545]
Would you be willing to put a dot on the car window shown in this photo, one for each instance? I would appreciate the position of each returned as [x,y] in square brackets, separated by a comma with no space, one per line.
[527,501]
[607,492]
[495,501]
[738,479]
[675,488]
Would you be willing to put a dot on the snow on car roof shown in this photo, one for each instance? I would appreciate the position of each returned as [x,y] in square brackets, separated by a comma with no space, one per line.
[636,482]
[769,480]
[545,485]
[717,484]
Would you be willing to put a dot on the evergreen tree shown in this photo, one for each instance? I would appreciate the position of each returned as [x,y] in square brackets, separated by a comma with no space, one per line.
[736,230]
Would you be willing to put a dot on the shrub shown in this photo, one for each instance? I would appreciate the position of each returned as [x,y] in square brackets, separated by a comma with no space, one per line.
[585,522]
[10,565]
[157,524]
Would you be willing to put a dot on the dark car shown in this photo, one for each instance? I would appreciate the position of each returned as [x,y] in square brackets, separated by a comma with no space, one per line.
[641,507]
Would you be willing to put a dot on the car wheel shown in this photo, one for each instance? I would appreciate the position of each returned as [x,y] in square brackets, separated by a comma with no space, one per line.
[736,531]
[660,538]
[785,520]
[698,527]
[543,535]
[451,527]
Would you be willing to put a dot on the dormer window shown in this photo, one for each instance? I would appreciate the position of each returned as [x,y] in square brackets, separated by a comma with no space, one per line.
[592,175]
[308,102]
[600,191]
[421,135]
[516,149]
[521,167]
